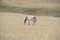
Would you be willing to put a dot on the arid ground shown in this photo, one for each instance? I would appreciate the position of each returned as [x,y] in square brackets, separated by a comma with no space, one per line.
[13,28]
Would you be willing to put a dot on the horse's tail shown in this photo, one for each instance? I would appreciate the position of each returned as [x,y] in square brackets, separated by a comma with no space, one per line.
[25,20]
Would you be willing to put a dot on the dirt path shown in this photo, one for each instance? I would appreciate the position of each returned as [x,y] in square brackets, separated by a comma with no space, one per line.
[12,28]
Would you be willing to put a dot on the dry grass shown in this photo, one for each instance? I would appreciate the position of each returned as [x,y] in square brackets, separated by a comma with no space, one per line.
[12,28]
[11,20]
[46,11]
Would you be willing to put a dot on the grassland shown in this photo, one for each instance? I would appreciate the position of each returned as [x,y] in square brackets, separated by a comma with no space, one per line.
[52,10]
[13,28]
[13,14]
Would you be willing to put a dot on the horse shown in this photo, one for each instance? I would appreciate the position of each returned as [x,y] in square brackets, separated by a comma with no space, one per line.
[30,20]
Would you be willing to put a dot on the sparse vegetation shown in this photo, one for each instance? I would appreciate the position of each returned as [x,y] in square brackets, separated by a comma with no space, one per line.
[13,28]
[34,11]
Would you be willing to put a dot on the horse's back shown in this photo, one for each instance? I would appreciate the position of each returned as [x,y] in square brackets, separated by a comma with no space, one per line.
[30,17]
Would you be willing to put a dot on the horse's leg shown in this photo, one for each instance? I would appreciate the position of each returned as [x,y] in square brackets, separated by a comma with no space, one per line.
[34,22]
[28,22]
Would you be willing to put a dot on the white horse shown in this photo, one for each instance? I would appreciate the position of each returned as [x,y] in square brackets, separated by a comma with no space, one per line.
[30,20]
